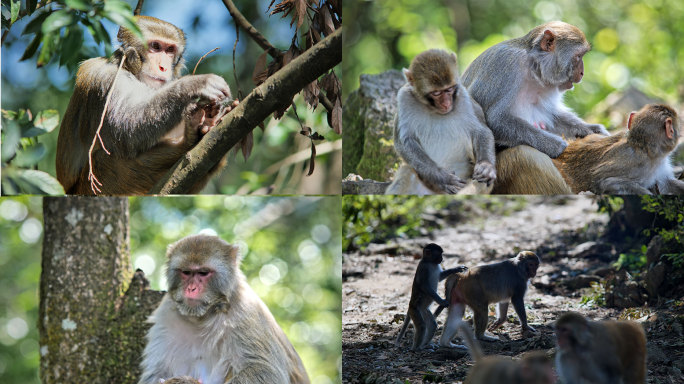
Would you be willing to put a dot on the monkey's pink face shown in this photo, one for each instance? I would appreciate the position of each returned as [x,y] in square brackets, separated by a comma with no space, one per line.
[443,99]
[194,282]
[158,69]
[577,71]
[563,337]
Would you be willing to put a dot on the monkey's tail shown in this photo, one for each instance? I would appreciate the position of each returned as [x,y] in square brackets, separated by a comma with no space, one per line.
[407,320]
[469,340]
[449,285]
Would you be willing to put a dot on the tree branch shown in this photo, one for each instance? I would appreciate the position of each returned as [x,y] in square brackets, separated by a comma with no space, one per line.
[138,8]
[251,31]
[274,93]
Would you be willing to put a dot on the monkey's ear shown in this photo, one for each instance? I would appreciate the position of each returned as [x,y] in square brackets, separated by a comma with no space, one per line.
[408,75]
[548,41]
[669,129]
[629,120]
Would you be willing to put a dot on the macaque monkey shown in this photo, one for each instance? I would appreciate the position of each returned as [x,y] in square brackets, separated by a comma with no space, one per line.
[180,380]
[635,161]
[599,352]
[153,118]
[520,83]
[440,132]
[423,292]
[211,326]
[486,284]
[533,368]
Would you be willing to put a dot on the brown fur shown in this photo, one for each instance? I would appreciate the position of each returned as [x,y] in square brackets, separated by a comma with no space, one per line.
[600,352]
[626,162]
[525,170]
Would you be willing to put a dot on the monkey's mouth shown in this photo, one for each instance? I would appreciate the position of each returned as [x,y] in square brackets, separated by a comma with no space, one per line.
[567,85]
[156,80]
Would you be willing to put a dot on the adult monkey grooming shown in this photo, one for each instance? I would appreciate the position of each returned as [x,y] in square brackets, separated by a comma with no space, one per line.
[485,284]
[600,352]
[211,326]
[635,161]
[520,83]
[153,117]
[423,292]
[440,132]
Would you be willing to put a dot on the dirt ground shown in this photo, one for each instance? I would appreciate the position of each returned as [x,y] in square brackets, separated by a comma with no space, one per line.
[564,232]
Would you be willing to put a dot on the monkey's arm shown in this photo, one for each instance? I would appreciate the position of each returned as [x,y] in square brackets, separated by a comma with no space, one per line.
[444,274]
[433,294]
[483,146]
[258,372]
[518,301]
[573,126]
[620,186]
[671,187]
[410,149]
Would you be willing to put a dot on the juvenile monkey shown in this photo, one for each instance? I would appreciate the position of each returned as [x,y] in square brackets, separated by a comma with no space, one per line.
[599,352]
[520,83]
[492,283]
[440,132]
[211,326]
[533,368]
[635,161]
[153,118]
[423,292]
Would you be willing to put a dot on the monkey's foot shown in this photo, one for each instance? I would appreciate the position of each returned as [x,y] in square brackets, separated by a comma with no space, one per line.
[529,331]
[455,346]
[495,326]
[486,337]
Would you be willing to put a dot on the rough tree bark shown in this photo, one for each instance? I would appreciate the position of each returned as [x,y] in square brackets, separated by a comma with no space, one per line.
[253,109]
[368,117]
[92,314]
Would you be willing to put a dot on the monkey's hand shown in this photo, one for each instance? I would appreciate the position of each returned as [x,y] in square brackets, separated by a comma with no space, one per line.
[209,87]
[484,172]
[214,113]
[555,148]
[599,128]
[449,183]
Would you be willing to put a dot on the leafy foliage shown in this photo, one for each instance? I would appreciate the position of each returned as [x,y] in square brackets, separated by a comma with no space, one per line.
[21,152]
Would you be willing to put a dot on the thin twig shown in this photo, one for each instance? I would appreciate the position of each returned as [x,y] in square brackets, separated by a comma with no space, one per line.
[94,182]
[202,58]
[237,83]
[138,8]
[251,31]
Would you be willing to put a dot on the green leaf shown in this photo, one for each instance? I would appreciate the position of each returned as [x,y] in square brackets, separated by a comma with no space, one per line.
[10,139]
[81,5]
[47,120]
[124,20]
[9,114]
[31,6]
[118,6]
[71,44]
[46,53]
[30,156]
[35,25]
[16,6]
[33,181]
[32,47]
[100,33]
[58,20]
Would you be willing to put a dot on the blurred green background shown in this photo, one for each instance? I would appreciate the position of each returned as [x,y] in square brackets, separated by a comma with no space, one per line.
[271,164]
[291,249]
[635,43]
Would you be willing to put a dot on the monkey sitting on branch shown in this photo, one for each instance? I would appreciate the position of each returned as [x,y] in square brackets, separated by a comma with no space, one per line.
[533,368]
[440,132]
[520,83]
[480,286]
[153,116]
[423,292]
[599,352]
[635,161]
[211,326]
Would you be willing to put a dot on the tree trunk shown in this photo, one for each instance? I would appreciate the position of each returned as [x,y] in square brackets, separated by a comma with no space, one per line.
[90,330]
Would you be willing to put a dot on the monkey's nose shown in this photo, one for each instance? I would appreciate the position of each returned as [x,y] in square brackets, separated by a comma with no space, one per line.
[161,68]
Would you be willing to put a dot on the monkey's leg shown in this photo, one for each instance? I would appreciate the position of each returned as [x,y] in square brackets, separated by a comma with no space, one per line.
[480,320]
[419,327]
[524,170]
[671,187]
[406,182]
[454,318]
[619,186]
[431,324]
[501,311]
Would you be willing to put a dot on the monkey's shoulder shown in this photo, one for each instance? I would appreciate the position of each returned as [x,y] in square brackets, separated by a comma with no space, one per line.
[94,72]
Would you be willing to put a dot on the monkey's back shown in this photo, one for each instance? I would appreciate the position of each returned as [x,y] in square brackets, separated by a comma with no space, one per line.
[629,341]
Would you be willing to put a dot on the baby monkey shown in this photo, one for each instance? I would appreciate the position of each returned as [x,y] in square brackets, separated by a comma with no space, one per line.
[423,292]
[440,132]
[635,161]
[533,368]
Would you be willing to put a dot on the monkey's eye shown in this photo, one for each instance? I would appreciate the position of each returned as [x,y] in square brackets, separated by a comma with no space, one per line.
[186,273]
[155,46]
[171,49]
[203,273]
